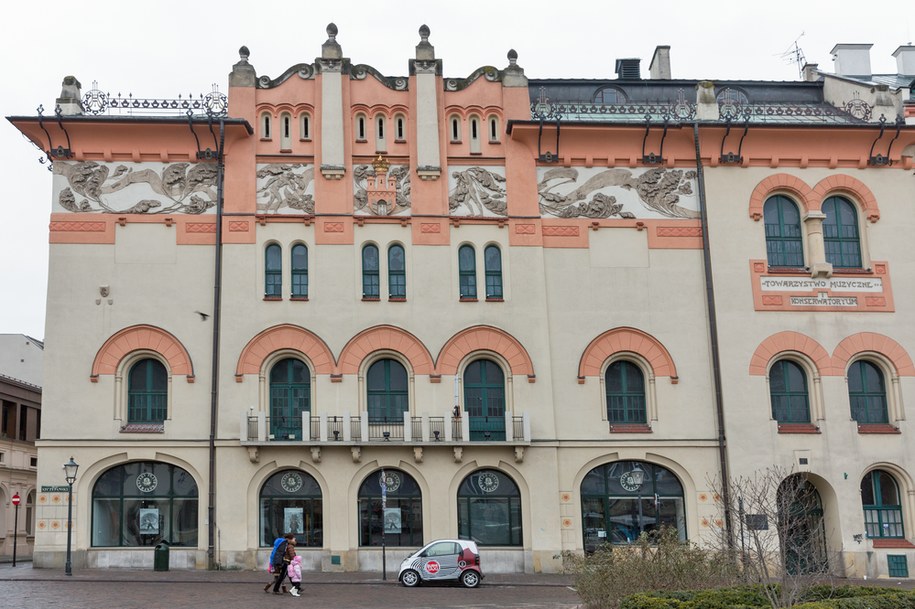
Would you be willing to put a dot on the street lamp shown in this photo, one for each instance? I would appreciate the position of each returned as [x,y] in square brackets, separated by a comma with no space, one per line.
[70,468]
[16,500]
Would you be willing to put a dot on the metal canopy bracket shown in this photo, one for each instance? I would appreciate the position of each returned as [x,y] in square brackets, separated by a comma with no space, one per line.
[879,160]
[652,158]
[52,153]
[543,111]
[732,158]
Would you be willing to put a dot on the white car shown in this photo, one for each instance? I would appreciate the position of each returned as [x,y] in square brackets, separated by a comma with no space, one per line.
[443,560]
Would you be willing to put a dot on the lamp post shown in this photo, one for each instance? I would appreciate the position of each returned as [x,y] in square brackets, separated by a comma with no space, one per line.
[16,500]
[70,468]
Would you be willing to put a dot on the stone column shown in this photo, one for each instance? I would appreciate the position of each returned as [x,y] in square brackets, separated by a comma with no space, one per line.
[427,70]
[816,255]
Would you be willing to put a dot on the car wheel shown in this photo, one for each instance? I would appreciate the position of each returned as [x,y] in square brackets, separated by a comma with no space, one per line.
[410,578]
[470,578]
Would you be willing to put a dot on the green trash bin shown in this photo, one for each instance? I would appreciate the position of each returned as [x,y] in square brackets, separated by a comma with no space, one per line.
[160,557]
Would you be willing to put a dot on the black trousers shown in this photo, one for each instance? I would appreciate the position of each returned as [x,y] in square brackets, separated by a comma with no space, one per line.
[279,578]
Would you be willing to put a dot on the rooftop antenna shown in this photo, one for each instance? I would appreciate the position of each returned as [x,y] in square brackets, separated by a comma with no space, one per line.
[794,54]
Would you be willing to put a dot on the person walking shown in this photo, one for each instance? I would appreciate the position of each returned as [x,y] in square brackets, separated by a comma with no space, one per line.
[285,552]
[295,575]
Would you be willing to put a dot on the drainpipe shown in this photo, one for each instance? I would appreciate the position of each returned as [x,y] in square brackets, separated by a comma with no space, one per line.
[713,337]
[214,373]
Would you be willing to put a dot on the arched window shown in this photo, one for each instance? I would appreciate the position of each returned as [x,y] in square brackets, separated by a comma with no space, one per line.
[467,271]
[455,130]
[401,519]
[360,127]
[290,502]
[143,503]
[484,400]
[285,131]
[783,232]
[867,393]
[147,392]
[625,385]
[397,273]
[299,271]
[400,129]
[380,142]
[489,509]
[265,126]
[609,95]
[492,263]
[30,513]
[800,526]
[622,500]
[840,233]
[788,392]
[273,271]
[882,509]
[474,135]
[370,280]
[290,396]
[305,126]
[493,129]
[387,391]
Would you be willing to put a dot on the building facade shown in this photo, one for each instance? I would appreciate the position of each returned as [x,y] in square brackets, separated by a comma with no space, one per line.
[541,314]
[20,422]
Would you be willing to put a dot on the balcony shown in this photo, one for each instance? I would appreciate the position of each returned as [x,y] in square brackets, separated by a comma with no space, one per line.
[357,432]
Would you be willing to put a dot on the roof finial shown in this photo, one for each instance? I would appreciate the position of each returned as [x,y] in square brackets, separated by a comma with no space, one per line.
[512,57]
[243,54]
[331,32]
[424,32]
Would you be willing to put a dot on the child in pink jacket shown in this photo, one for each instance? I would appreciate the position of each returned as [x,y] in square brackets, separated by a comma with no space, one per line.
[295,575]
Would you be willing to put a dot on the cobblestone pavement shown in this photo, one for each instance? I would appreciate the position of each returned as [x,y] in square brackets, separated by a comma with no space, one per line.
[23,586]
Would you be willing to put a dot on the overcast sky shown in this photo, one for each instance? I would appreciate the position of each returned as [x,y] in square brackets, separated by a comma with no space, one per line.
[163,48]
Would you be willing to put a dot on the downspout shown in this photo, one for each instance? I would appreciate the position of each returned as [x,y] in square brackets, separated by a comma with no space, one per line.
[214,374]
[713,337]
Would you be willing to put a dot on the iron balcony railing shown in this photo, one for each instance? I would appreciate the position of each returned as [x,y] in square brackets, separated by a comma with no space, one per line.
[259,427]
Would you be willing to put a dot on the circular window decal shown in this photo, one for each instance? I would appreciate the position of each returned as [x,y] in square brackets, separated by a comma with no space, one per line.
[390,480]
[147,482]
[488,482]
[291,482]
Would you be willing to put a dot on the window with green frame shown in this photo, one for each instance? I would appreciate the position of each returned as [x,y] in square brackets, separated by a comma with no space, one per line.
[399,517]
[484,400]
[784,246]
[867,393]
[290,396]
[143,503]
[492,264]
[273,271]
[370,279]
[467,271]
[397,273]
[623,499]
[299,271]
[840,233]
[882,508]
[147,392]
[489,509]
[291,502]
[788,392]
[625,385]
[387,392]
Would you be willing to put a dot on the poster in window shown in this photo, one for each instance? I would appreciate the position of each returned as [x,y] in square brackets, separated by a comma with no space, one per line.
[392,520]
[149,521]
[293,520]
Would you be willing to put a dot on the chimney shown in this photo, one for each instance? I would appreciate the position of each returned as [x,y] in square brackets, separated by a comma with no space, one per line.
[659,69]
[628,69]
[70,101]
[905,59]
[811,72]
[852,59]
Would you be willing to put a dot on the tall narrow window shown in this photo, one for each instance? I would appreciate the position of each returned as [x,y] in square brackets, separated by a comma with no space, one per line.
[388,398]
[290,396]
[625,394]
[783,232]
[882,508]
[400,133]
[484,400]
[273,272]
[265,126]
[360,128]
[370,280]
[467,271]
[380,142]
[147,392]
[840,233]
[286,131]
[493,129]
[788,393]
[299,271]
[867,393]
[492,261]
[305,127]
[397,273]
[455,129]
[474,135]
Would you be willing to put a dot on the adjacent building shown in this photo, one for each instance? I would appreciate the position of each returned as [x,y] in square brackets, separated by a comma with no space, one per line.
[541,314]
